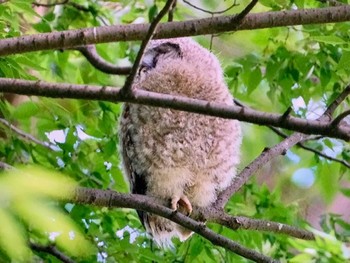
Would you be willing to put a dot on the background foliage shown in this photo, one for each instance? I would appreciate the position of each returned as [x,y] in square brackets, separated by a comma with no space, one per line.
[303,67]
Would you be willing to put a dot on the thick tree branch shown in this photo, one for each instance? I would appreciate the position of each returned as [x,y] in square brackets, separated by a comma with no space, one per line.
[59,90]
[52,250]
[108,198]
[206,26]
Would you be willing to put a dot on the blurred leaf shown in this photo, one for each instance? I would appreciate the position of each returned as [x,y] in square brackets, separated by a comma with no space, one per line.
[26,110]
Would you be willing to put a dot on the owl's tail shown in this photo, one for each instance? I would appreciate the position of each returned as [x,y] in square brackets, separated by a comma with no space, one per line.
[163,230]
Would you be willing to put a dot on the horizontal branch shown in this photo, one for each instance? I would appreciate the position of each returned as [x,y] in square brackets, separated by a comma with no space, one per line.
[205,26]
[107,198]
[237,222]
[90,92]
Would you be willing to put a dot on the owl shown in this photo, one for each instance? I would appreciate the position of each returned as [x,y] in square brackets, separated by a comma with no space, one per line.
[181,159]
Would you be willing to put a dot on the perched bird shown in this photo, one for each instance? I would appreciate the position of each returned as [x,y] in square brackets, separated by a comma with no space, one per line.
[182,159]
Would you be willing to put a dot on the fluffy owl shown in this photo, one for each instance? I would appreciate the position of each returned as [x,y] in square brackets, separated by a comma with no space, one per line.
[182,159]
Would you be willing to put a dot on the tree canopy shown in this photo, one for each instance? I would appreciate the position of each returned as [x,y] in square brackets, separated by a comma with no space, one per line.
[66,66]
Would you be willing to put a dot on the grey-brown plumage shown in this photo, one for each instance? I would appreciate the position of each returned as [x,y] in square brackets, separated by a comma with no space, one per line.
[182,159]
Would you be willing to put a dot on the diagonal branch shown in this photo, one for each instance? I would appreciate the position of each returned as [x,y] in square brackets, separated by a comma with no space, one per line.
[270,153]
[24,135]
[5,166]
[266,156]
[108,198]
[52,250]
[126,90]
[340,118]
[90,92]
[206,26]
[301,144]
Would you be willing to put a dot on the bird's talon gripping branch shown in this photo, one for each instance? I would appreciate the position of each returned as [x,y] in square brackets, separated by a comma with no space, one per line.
[181,204]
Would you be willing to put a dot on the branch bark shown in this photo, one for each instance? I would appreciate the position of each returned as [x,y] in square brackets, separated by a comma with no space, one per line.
[206,26]
[106,198]
[90,92]
[270,153]
[51,249]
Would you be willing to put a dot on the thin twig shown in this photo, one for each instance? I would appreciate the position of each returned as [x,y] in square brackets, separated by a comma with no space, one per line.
[327,115]
[99,63]
[52,250]
[171,11]
[126,90]
[319,153]
[25,135]
[208,11]
[340,117]
[5,166]
[50,4]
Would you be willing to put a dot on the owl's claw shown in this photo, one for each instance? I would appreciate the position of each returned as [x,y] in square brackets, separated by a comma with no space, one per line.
[181,204]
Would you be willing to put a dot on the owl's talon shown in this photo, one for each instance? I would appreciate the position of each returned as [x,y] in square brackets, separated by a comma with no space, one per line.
[181,204]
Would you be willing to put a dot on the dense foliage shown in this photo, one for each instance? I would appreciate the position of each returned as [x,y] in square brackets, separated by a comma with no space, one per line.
[302,67]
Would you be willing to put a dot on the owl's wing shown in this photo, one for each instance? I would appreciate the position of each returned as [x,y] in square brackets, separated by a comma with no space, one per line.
[137,181]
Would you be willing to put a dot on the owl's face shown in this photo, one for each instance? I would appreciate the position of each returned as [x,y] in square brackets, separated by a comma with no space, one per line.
[161,52]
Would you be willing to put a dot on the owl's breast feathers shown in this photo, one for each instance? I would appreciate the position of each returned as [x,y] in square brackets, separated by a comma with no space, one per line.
[175,155]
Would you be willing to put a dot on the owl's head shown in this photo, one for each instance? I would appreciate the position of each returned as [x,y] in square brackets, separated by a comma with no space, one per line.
[161,52]
[180,51]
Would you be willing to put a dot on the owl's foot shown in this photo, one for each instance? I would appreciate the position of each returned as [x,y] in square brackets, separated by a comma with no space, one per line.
[181,204]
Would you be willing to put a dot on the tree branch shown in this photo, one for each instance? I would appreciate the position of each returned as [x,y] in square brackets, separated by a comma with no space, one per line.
[24,135]
[90,92]
[90,53]
[107,198]
[5,166]
[340,117]
[126,90]
[50,4]
[269,153]
[302,145]
[237,222]
[52,250]
[208,11]
[206,26]
[307,148]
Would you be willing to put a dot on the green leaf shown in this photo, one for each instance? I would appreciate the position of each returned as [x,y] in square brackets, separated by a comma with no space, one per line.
[26,110]
[331,39]
[152,13]
[344,62]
